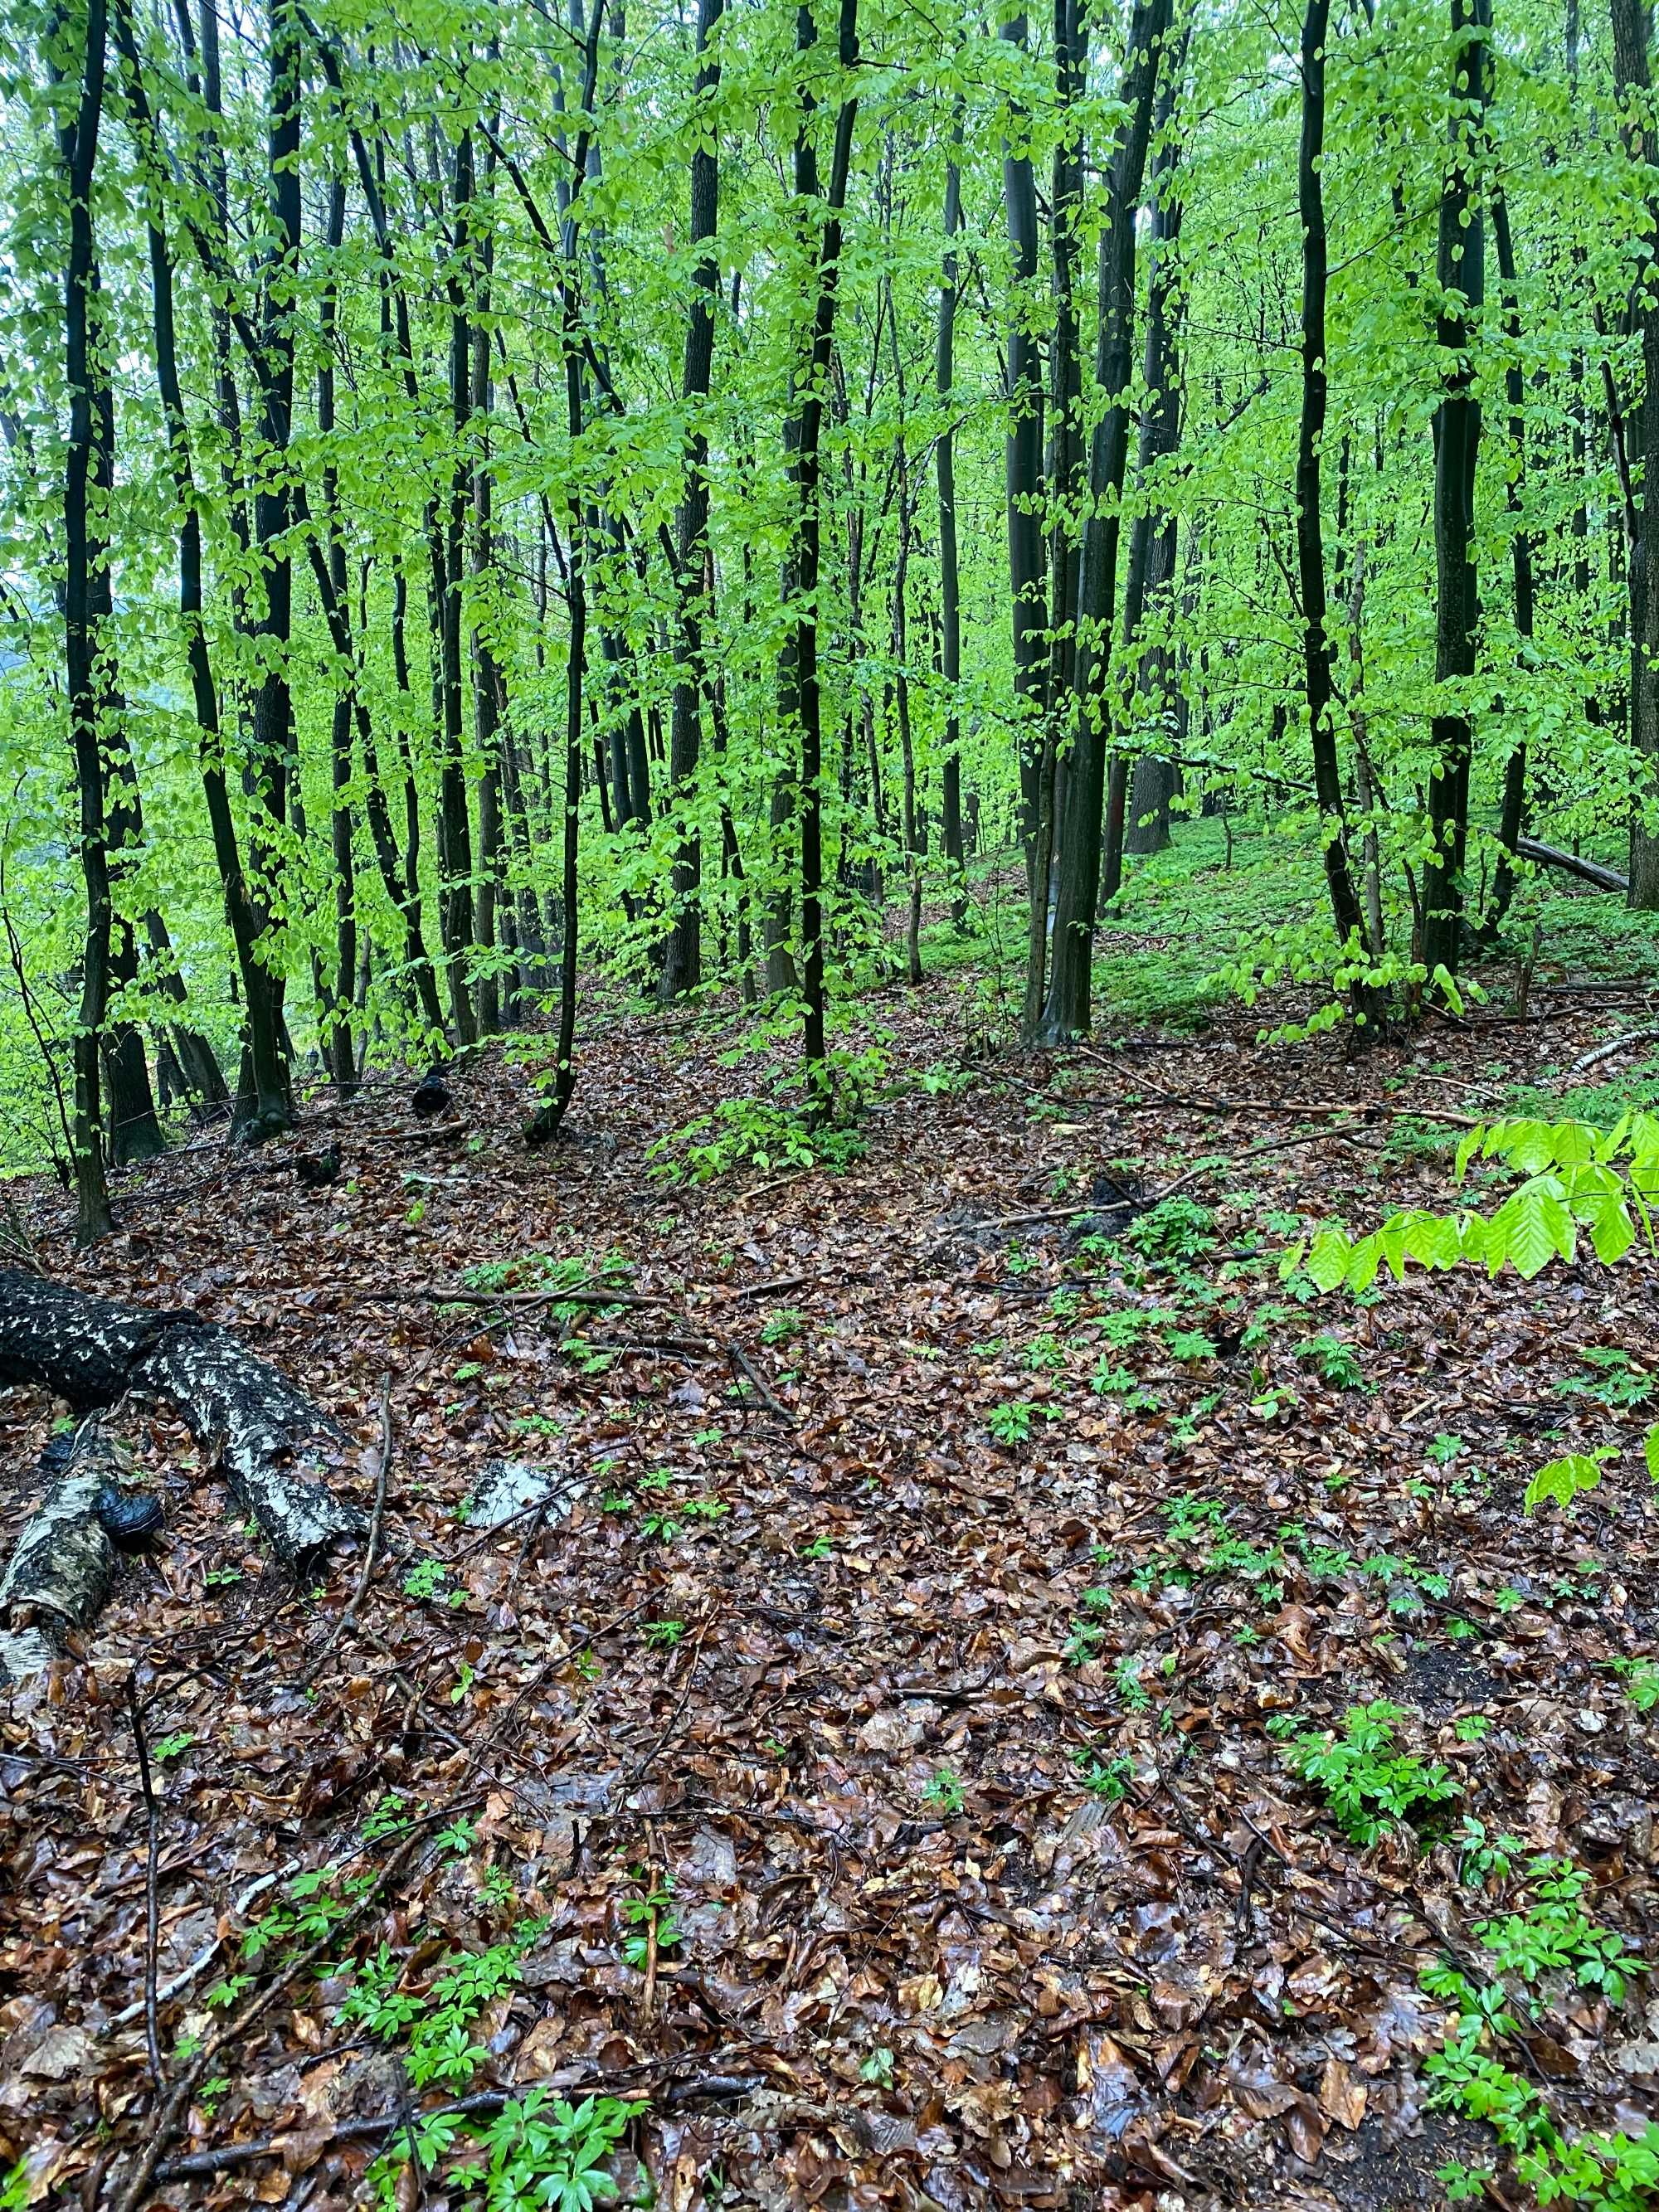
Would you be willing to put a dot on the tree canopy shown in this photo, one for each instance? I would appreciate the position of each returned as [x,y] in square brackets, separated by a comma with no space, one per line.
[491,491]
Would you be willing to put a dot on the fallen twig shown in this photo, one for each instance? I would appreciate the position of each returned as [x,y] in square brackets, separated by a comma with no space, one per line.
[1254,1152]
[152,1901]
[1366,1109]
[740,1360]
[480,2105]
[650,1757]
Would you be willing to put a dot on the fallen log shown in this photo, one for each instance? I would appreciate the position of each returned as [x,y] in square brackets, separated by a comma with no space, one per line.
[63,1563]
[1590,871]
[273,1445]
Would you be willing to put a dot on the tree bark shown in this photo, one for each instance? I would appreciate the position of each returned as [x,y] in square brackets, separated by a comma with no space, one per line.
[544,1124]
[1309,519]
[455,818]
[275,759]
[1024,465]
[1461,270]
[682,955]
[1633,80]
[805,473]
[1513,819]
[271,1444]
[1067,1010]
[950,573]
[1153,538]
[77,145]
[263,1040]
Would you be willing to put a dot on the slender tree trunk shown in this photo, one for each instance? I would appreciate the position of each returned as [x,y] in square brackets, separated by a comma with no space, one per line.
[1633,78]
[275,757]
[263,1040]
[683,957]
[489,675]
[817,208]
[340,1053]
[77,145]
[1461,275]
[1309,521]
[949,576]
[1025,537]
[1152,535]
[545,1122]
[1513,819]
[901,664]
[134,1132]
[1067,1012]
[455,906]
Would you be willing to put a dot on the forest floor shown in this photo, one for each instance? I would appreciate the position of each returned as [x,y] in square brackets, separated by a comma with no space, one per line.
[880,1763]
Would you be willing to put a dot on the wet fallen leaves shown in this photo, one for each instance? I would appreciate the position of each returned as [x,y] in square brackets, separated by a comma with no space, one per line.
[942,1731]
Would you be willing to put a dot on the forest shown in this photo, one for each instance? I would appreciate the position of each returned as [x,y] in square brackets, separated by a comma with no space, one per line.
[829,1104]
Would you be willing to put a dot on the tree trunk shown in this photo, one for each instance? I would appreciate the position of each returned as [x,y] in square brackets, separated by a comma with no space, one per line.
[455,818]
[682,956]
[340,1053]
[1309,521]
[806,476]
[275,757]
[1461,271]
[63,1563]
[1024,464]
[1633,79]
[1513,820]
[1067,1010]
[1153,540]
[77,144]
[544,1124]
[950,577]
[268,1071]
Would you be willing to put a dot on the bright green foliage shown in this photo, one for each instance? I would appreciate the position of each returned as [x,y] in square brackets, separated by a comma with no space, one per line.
[539,2151]
[1602,2173]
[1553,1939]
[944,1792]
[1555,1935]
[1367,1782]
[1336,1362]
[1577,1178]
[1563,1480]
[438,2019]
[649,1919]
[1011,1422]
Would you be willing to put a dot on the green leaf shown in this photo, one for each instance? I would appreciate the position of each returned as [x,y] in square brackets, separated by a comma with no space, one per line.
[1562,1479]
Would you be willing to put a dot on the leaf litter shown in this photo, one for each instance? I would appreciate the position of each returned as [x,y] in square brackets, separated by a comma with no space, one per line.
[875,1714]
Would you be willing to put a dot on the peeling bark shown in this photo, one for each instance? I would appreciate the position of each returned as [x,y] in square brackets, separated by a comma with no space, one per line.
[63,1563]
[272,1443]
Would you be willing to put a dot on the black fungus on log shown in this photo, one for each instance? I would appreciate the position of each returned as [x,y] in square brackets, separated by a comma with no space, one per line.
[272,1443]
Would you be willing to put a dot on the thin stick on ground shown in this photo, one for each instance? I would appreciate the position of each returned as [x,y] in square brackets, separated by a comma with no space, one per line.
[152,1897]
[372,1551]
[741,1361]
[1610,1050]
